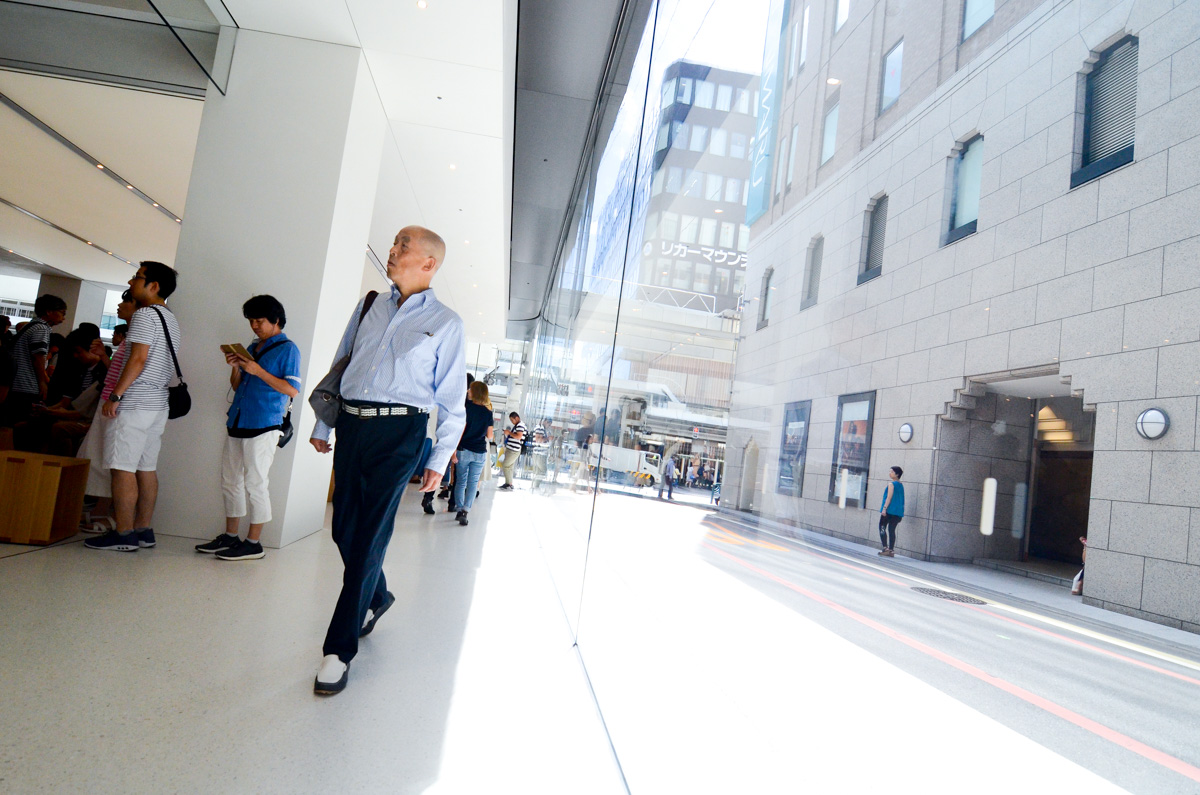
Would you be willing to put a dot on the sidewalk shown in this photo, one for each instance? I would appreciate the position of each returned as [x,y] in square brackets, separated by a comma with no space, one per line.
[985,581]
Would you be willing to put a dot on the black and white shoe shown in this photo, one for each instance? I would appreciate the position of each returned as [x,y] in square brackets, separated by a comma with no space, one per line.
[461,516]
[145,538]
[374,615]
[332,677]
[113,541]
[245,550]
[506,487]
[219,544]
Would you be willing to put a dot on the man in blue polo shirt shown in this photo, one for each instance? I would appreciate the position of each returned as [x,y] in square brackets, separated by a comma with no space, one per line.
[265,386]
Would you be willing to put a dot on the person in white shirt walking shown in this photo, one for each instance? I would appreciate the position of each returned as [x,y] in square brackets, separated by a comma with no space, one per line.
[514,442]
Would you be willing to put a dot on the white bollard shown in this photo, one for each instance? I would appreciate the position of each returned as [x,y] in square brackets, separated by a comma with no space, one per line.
[987,512]
[845,486]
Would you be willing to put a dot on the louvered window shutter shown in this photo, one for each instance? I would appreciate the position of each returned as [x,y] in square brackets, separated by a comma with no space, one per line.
[1112,106]
[876,234]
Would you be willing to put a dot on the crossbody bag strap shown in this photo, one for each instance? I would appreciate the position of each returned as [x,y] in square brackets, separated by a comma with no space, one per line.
[170,345]
[258,357]
[371,296]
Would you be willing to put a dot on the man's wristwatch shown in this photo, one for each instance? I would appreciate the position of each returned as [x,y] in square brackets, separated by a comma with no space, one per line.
[114,398]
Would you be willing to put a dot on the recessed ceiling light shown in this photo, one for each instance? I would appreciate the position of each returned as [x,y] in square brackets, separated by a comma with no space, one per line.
[129,186]
[99,166]
[421,4]
[179,220]
[718,211]
[833,81]
[452,166]
[89,242]
[109,253]
[155,204]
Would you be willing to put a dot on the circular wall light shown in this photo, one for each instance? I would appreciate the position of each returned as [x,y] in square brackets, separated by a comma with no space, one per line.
[1153,424]
[906,433]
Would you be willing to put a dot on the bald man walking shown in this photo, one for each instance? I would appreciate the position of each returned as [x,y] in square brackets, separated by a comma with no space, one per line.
[407,355]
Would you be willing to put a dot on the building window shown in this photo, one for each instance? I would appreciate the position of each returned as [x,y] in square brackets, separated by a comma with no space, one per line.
[780,171]
[737,146]
[1109,112]
[668,92]
[793,447]
[687,229]
[829,139]
[703,277]
[656,184]
[693,184]
[708,232]
[964,207]
[764,301]
[663,277]
[739,282]
[745,193]
[724,98]
[843,13]
[733,190]
[670,226]
[728,230]
[889,90]
[652,226]
[712,187]
[683,275]
[674,179]
[852,454]
[685,90]
[743,238]
[804,38]
[705,93]
[794,50]
[664,137]
[872,264]
[718,141]
[743,101]
[975,13]
[699,138]
[791,167]
[812,273]
[722,285]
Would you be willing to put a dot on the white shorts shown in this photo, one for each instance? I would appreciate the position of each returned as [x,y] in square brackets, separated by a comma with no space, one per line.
[133,439]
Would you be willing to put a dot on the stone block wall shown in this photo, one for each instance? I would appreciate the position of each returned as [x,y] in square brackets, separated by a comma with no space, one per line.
[1100,281]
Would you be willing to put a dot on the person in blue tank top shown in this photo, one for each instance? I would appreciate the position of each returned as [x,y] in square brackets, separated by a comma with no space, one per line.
[891,512]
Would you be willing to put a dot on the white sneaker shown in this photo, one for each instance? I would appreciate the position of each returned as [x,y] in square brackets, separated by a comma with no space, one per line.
[332,677]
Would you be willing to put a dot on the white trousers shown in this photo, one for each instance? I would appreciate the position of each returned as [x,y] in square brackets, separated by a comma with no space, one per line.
[244,469]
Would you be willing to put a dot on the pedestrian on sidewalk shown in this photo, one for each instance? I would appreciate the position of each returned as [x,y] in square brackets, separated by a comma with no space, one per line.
[1077,583]
[891,512]
[669,478]
[514,444]
[405,354]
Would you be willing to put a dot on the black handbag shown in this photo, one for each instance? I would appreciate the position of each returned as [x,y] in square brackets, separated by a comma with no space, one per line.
[179,402]
[326,398]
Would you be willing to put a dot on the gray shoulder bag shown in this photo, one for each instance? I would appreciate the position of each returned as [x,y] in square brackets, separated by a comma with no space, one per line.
[326,398]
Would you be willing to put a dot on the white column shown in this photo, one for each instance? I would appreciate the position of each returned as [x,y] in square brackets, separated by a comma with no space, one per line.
[85,300]
[280,202]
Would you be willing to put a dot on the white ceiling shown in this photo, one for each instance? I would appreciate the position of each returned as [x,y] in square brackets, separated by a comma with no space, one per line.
[453,49]
[1042,386]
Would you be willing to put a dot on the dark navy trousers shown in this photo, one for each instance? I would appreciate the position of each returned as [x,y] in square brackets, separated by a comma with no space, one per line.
[373,458]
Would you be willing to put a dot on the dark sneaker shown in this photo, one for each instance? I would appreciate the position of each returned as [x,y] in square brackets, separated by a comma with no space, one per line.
[114,542]
[427,503]
[461,516]
[244,550]
[506,487]
[145,537]
[221,542]
[374,615]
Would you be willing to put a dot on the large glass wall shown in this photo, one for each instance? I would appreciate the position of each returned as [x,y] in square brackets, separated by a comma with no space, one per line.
[772,322]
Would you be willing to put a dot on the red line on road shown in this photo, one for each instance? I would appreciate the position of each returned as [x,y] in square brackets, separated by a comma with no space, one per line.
[1098,729]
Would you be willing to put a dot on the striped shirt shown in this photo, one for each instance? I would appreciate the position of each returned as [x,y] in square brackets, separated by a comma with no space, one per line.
[149,391]
[413,354]
[32,340]
[114,369]
[512,442]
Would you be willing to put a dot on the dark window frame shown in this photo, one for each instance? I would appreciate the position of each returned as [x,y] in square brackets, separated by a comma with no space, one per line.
[883,78]
[764,318]
[1086,172]
[866,272]
[857,397]
[956,233]
[794,409]
[809,299]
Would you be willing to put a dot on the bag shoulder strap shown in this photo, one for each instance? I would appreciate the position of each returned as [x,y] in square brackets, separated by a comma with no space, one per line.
[170,345]
[259,356]
[371,296]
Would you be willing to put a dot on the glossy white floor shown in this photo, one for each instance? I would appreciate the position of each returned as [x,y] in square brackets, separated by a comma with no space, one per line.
[168,671]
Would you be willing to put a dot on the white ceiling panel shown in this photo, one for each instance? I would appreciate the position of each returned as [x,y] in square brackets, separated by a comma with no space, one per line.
[149,139]
[37,241]
[471,98]
[77,196]
[464,32]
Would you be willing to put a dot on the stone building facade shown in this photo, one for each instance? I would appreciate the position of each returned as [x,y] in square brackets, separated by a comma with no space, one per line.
[1022,346]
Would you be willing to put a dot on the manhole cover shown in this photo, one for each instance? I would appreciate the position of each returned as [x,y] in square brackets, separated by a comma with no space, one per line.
[953,597]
